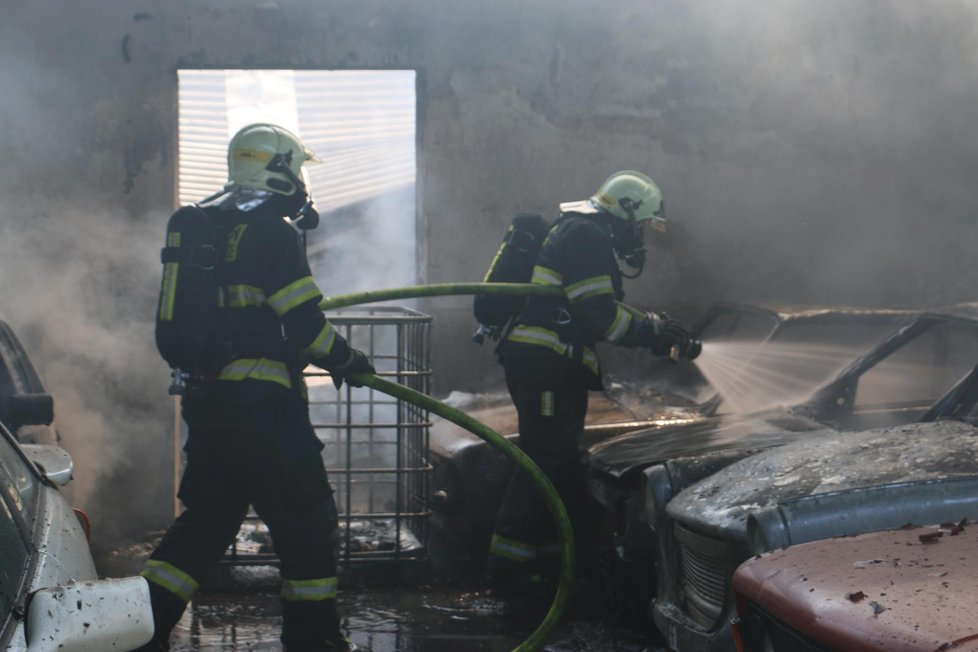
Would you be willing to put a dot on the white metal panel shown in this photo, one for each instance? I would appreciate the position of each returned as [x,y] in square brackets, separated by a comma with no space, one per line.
[203,134]
[361,123]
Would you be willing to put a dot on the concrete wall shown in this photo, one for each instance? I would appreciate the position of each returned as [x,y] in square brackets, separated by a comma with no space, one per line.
[809,152]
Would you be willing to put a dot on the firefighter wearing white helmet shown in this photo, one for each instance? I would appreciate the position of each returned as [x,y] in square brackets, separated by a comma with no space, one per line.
[250,440]
[267,157]
[550,361]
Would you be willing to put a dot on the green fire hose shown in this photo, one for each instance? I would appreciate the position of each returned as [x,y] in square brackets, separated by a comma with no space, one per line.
[438,290]
[557,510]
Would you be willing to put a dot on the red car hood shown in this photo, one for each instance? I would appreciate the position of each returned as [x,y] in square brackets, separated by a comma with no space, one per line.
[909,589]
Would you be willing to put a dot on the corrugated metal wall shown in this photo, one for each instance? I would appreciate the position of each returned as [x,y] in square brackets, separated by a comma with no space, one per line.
[361,123]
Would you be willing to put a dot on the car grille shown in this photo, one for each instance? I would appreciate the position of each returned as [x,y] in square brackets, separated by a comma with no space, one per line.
[703,576]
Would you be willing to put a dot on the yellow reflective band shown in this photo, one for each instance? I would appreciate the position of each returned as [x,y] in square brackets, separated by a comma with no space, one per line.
[234,239]
[272,371]
[309,590]
[538,336]
[618,328]
[322,345]
[248,154]
[546,276]
[294,294]
[169,290]
[589,287]
[499,252]
[244,296]
[547,400]
[590,360]
[169,286]
[170,578]
[512,549]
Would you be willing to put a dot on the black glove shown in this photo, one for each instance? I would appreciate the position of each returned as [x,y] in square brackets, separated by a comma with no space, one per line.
[668,332]
[357,364]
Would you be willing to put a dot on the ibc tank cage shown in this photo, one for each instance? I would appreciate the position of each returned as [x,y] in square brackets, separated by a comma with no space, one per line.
[375,448]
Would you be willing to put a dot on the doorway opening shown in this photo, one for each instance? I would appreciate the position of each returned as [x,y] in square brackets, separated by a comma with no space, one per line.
[362,124]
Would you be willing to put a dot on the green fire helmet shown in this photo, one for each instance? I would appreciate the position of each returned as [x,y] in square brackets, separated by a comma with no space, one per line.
[633,197]
[267,157]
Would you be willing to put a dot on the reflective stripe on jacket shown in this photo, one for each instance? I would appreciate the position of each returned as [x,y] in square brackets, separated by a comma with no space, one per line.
[577,256]
[271,302]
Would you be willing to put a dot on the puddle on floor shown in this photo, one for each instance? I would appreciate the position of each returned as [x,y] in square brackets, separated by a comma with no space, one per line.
[387,620]
[245,615]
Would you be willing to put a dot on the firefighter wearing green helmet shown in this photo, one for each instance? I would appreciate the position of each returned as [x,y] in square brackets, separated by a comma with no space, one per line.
[550,361]
[250,439]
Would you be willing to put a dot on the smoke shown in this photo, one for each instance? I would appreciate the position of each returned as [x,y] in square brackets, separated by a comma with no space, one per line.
[367,246]
[79,288]
[819,152]
[808,151]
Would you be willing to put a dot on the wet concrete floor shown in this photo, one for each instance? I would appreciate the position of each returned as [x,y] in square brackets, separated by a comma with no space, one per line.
[246,616]
[414,620]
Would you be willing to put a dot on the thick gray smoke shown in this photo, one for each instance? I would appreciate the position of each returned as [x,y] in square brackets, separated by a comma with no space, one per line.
[79,282]
[79,291]
[819,151]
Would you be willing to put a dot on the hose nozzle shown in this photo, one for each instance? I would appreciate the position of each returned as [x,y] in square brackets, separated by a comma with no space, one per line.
[689,350]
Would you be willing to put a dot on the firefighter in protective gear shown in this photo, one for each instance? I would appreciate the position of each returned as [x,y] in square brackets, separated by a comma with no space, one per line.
[250,438]
[550,361]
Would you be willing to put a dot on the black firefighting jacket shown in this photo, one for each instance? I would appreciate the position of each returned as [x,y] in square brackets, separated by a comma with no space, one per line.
[272,303]
[578,256]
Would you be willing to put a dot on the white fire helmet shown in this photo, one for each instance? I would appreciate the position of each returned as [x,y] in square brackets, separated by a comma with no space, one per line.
[267,157]
[633,197]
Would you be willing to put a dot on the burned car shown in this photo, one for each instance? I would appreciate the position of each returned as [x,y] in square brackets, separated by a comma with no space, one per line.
[50,595]
[830,482]
[804,349]
[647,395]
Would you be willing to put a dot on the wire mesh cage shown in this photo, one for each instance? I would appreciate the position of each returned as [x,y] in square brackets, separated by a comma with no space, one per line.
[375,447]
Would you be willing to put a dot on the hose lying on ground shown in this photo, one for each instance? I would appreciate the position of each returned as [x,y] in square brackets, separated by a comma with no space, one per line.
[556,507]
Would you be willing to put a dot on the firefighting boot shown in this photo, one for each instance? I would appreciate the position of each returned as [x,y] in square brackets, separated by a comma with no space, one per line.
[312,627]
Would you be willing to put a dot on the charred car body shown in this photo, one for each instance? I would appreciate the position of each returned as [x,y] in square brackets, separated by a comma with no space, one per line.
[471,476]
[698,448]
[830,482]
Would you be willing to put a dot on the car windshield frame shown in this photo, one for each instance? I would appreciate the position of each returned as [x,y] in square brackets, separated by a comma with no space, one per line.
[784,319]
[824,399]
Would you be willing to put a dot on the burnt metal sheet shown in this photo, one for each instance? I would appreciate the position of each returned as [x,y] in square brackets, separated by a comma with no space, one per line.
[635,450]
[823,463]
[901,590]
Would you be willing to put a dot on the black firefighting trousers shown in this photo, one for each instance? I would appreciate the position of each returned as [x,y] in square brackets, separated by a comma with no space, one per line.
[262,451]
[551,396]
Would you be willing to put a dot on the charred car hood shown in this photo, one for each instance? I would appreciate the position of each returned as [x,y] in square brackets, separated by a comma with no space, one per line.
[636,450]
[823,463]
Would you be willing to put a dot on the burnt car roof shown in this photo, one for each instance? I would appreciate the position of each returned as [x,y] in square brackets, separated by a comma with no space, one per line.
[788,312]
[909,589]
[827,463]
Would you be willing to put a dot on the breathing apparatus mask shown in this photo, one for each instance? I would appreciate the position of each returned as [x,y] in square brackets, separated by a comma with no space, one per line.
[298,204]
[628,240]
